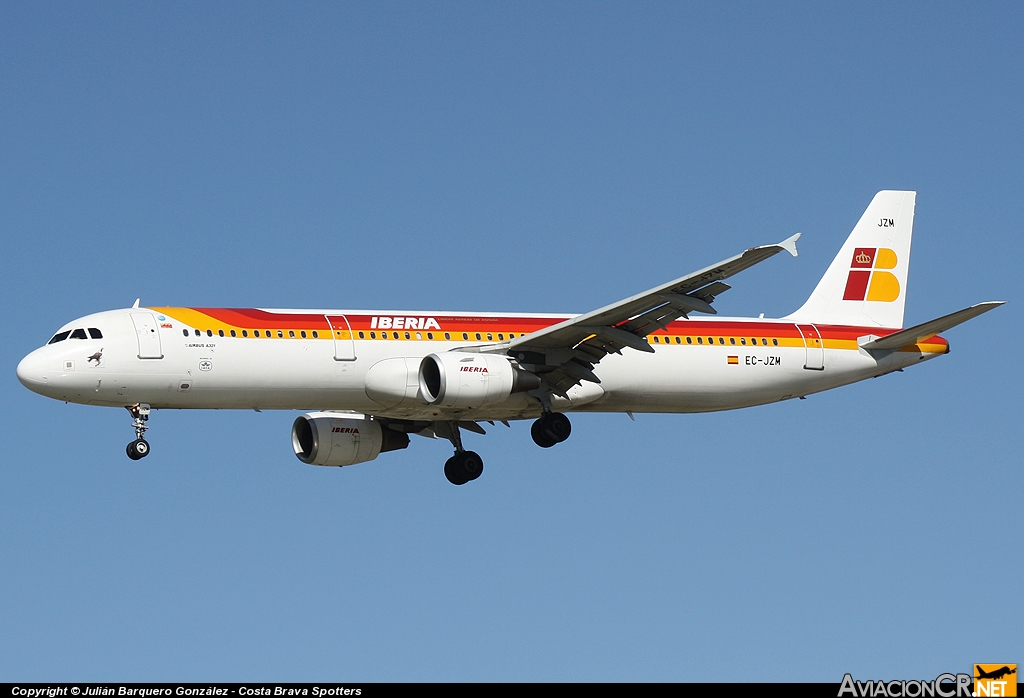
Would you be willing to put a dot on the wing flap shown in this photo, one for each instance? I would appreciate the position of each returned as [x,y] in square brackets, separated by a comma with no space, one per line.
[564,354]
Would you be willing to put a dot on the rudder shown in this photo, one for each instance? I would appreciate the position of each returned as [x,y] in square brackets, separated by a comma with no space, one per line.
[866,284]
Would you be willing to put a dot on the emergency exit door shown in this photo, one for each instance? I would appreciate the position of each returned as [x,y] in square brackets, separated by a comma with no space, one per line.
[344,342]
[148,333]
[815,360]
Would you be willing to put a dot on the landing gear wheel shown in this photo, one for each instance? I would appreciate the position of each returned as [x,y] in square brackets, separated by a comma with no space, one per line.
[463,467]
[138,449]
[558,427]
[552,428]
[540,436]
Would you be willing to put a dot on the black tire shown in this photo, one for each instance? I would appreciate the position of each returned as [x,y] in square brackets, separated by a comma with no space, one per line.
[132,453]
[472,465]
[142,448]
[453,471]
[557,426]
[540,435]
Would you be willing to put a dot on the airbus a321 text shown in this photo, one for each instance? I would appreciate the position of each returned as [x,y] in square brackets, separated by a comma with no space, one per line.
[378,377]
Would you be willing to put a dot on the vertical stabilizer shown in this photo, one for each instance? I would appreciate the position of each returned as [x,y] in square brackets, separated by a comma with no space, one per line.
[866,284]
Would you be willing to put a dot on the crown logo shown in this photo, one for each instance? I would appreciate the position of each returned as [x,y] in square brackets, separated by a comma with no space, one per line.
[863,258]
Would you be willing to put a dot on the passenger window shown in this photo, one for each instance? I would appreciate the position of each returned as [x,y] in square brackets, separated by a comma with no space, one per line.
[185,332]
[373,335]
[291,333]
[362,335]
[233,333]
[721,340]
[430,335]
[711,340]
[95,334]
[764,341]
[395,335]
[743,341]
[220,332]
[775,342]
[59,337]
[656,339]
[245,333]
[478,336]
[209,333]
[419,335]
[407,335]
[255,333]
[501,337]
[679,340]
[732,340]
[315,335]
[447,335]
[689,340]
[280,334]
[700,340]
[303,333]
[465,335]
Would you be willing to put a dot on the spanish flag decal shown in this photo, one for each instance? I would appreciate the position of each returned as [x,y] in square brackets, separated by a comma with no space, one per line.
[734,360]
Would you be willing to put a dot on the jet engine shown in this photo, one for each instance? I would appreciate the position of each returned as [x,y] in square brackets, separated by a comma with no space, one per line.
[322,438]
[459,379]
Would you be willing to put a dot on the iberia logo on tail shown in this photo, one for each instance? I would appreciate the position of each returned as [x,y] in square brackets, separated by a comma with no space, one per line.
[867,281]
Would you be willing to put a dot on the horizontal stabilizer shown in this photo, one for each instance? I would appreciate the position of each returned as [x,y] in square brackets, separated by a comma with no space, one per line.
[913,335]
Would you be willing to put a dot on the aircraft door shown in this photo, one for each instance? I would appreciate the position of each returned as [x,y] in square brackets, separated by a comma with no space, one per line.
[344,342]
[148,334]
[815,360]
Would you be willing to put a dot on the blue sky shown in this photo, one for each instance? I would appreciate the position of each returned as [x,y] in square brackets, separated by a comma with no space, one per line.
[518,157]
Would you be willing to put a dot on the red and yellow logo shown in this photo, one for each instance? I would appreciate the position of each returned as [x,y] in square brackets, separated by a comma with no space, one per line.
[867,281]
[995,680]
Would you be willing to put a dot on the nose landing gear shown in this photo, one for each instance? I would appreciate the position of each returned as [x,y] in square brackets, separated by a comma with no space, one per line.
[140,447]
[552,428]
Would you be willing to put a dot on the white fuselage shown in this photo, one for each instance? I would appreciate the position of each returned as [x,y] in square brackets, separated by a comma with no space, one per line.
[194,368]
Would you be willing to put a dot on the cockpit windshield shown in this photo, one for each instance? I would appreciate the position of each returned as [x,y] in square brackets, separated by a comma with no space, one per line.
[78,333]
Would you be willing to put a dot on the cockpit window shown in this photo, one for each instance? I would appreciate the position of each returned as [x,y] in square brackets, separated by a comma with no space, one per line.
[59,337]
[78,334]
[95,334]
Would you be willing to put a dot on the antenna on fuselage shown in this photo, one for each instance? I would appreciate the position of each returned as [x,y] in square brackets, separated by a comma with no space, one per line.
[136,304]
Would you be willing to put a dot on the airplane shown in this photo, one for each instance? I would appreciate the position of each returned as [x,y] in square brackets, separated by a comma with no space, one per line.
[377,377]
[996,674]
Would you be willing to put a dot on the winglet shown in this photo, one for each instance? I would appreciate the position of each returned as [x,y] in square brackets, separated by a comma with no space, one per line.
[789,244]
[136,303]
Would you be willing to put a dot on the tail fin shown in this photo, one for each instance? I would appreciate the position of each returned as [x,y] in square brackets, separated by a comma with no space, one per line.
[866,284]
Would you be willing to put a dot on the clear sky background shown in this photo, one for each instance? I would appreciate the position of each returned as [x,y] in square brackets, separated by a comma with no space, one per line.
[511,157]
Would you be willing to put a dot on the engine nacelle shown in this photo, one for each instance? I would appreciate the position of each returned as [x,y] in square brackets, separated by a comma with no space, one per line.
[322,438]
[460,379]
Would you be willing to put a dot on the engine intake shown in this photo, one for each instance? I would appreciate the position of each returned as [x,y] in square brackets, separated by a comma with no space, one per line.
[459,379]
[320,438]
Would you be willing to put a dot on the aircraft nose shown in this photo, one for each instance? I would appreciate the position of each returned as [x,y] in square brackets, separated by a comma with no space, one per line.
[32,371]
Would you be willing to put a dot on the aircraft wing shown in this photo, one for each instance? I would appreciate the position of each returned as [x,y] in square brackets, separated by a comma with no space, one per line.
[917,333]
[564,354]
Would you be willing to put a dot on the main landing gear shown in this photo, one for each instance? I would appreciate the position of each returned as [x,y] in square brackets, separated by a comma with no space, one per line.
[464,465]
[140,447]
[552,428]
